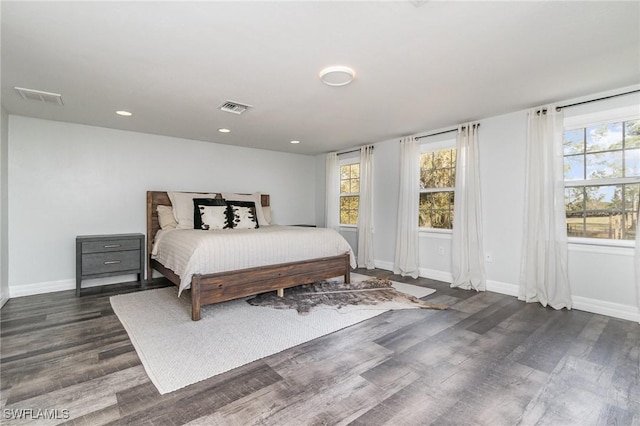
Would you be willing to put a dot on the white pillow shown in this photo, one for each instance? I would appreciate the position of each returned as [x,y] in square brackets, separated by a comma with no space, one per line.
[255,197]
[165,217]
[183,207]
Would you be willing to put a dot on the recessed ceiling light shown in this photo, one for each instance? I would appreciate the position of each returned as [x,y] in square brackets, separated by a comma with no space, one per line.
[224,130]
[295,142]
[337,75]
[124,113]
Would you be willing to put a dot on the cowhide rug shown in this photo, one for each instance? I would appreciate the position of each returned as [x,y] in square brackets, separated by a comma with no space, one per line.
[336,294]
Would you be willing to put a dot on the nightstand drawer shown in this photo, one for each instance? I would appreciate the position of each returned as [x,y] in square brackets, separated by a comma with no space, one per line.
[110,245]
[100,263]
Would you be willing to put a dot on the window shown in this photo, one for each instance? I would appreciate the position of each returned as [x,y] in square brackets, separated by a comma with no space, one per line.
[602,179]
[437,186]
[349,193]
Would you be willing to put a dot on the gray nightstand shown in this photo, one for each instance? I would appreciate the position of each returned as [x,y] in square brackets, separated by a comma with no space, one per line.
[108,255]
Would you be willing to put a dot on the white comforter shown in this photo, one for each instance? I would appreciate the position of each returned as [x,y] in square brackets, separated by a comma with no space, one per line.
[191,251]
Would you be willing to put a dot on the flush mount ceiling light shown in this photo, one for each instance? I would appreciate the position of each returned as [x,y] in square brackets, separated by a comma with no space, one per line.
[224,130]
[124,113]
[337,75]
[294,142]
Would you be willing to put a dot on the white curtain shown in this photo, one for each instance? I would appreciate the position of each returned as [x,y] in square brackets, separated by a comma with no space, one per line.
[543,274]
[332,202]
[467,253]
[365,209]
[637,264]
[406,260]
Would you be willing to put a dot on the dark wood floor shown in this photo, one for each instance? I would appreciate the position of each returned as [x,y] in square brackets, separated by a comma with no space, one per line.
[489,360]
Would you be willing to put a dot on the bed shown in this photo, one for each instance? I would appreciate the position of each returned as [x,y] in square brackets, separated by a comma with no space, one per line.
[210,285]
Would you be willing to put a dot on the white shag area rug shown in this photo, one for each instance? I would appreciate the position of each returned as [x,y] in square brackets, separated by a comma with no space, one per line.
[177,352]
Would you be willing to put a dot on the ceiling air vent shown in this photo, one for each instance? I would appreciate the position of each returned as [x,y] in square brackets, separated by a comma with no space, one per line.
[234,107]
[40,96]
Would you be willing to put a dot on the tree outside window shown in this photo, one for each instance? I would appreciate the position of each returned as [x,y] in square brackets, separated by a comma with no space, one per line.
[602,180]
[349,193]
[437,188]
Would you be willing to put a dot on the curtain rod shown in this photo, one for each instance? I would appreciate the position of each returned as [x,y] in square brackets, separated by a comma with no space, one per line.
[558,108]
[353,150]
[445,131]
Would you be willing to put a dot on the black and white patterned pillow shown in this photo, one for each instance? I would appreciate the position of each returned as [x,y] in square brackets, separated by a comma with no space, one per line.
[243,214]
[211,213]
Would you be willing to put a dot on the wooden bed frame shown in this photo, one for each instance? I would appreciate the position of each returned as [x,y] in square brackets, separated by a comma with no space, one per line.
[223,286]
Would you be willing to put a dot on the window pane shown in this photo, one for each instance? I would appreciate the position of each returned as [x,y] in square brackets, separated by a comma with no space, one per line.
[574,199]
[349,210]
[441,200]
[632,197]
[426,161]
[355,171]
[437,169]
[439,218]
[603,197]
[344,187]
[344,216]
[355,202]
[575,225]
[424,221]
[436,210]
[604,165]
[426,179]
[573,141]
[632,162]
[604,137]
[574,167]
[612,152]
[632,134]
[355,186]
[630,220]
[599,225]
[440,176]
[426,167]
[449,178]
[443,158]
[344,172]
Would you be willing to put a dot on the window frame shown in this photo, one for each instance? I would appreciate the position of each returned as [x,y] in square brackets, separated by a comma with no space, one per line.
[593,119]
[347,162]
[425,148]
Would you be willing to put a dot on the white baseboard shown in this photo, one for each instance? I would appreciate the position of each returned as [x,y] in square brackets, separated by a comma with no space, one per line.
[62,285]
[423,272]
[502,288]
[3,300]
[381,264]
[40,288]
[616,310]
[434,274]
[601,307]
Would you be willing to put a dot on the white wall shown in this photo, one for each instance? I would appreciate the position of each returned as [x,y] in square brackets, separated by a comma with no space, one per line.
[602,278]
[4,215]
[67,180]
[321,189]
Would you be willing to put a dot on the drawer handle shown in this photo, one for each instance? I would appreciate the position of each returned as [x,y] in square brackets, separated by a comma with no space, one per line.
[112,246]
[111,262]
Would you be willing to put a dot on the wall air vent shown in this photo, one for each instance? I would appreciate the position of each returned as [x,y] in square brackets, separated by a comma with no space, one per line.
[40,96]
[234,107]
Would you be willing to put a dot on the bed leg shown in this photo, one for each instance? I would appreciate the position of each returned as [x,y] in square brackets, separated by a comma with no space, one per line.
[195,299]
[280,292]
[347,272]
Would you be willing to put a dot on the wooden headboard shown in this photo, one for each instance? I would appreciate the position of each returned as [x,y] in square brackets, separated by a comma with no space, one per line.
[161,198]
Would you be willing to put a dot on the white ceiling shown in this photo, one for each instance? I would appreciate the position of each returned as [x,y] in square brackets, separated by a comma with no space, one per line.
[418,67]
